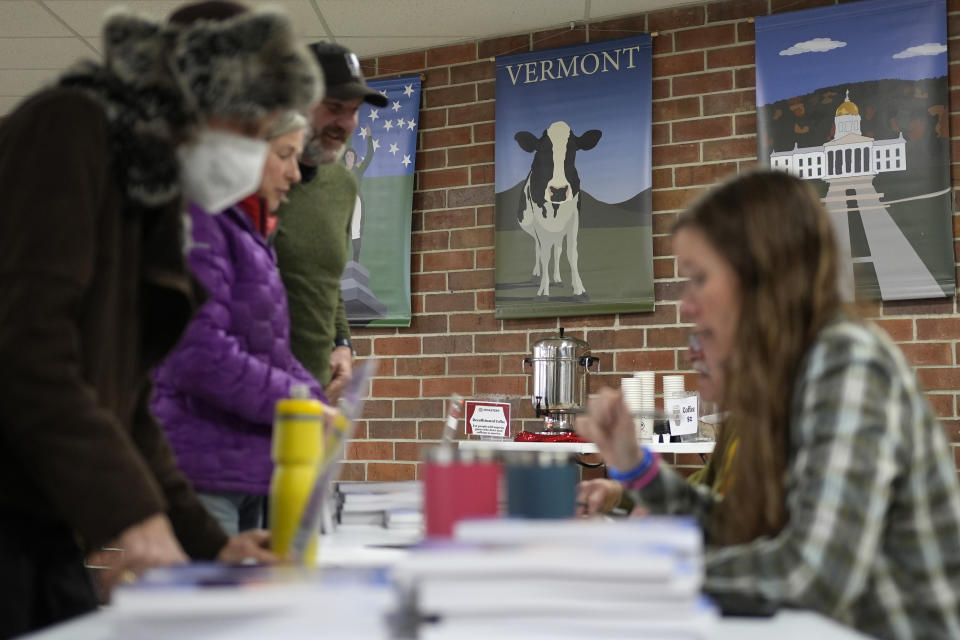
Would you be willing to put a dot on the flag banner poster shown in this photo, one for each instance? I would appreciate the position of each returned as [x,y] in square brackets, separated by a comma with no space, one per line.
[854,99]
[381,154]
[573,180]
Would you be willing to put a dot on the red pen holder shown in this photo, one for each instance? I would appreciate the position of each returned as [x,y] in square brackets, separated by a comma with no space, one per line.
[455,490]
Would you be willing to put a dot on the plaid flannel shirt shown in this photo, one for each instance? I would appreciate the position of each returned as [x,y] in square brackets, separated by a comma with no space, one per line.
[873,537]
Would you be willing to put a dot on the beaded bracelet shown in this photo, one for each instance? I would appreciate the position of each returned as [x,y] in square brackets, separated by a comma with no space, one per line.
[636,472]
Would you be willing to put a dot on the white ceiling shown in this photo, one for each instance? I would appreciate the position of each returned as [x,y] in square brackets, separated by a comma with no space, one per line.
[39,38]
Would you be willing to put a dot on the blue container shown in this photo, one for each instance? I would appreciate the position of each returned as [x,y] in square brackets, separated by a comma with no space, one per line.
[541,489]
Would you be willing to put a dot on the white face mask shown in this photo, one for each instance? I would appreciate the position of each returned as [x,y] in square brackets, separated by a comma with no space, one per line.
[220,168]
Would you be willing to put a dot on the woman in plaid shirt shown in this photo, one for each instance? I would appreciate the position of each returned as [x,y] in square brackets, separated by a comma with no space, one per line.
[844,496]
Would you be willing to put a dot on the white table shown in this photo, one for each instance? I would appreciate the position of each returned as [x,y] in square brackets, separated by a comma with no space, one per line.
[364,546]
[785,625]
[578,447]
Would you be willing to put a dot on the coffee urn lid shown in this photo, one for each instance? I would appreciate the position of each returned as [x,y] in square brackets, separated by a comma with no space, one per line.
[560,347]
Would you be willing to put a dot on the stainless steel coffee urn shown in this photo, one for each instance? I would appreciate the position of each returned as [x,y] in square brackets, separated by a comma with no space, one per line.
[561,384]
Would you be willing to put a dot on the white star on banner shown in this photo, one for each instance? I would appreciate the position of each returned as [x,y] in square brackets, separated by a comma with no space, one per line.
[391,129]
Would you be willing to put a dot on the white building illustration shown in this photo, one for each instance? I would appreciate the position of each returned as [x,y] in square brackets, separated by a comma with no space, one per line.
[849,154]
[849,164]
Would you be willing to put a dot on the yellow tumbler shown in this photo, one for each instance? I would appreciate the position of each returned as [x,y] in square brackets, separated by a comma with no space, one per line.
[296,450]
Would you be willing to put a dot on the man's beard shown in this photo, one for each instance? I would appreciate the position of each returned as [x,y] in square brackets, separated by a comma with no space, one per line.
[314,153]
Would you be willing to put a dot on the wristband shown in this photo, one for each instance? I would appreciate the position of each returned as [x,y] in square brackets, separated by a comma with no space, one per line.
[343,342]
[636,472]
[647,476]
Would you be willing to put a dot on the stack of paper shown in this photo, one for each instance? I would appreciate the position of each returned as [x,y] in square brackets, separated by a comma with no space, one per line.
[541,578]
[391,505]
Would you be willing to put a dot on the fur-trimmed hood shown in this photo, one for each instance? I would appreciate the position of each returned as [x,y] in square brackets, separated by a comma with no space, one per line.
[245,66]
[160,80]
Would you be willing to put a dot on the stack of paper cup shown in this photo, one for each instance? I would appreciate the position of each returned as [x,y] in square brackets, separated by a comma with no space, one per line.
[632,391]
[672,385]
[638,393]
[672,388]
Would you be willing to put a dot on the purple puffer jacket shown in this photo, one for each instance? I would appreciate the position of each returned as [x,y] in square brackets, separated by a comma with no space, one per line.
[215,393]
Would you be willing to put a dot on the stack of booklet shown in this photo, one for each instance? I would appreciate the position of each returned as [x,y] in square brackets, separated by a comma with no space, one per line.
[546,578]
[240,602]
[391,505]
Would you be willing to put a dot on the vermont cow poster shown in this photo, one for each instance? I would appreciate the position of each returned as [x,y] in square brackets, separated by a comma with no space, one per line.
[573,180]
[381,154]
[853,98]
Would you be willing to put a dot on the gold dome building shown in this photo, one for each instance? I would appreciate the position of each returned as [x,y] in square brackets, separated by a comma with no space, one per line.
[848,154]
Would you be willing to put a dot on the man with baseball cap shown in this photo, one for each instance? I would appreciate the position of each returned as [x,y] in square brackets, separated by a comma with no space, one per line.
[343,75]
[313,235]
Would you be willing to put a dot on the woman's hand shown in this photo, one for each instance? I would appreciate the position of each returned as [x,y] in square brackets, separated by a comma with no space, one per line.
[609,425]
[598,496]
[248,546]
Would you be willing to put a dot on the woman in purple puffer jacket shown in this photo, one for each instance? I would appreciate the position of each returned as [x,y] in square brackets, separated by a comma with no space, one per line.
[215,393]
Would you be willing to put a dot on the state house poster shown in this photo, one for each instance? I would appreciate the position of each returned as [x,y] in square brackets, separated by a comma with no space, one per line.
[854,99]
[573,180]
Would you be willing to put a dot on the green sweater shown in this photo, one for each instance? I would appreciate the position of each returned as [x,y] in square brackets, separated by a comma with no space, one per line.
[312,240]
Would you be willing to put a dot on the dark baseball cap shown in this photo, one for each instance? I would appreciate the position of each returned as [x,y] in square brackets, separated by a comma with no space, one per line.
[342,75]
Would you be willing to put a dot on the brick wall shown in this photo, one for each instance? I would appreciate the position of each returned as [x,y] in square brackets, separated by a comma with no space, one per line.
[704,124]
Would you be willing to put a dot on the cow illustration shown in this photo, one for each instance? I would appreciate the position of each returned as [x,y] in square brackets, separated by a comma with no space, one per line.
[550,204]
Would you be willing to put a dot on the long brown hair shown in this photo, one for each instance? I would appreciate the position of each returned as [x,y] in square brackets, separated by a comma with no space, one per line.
[773,231]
